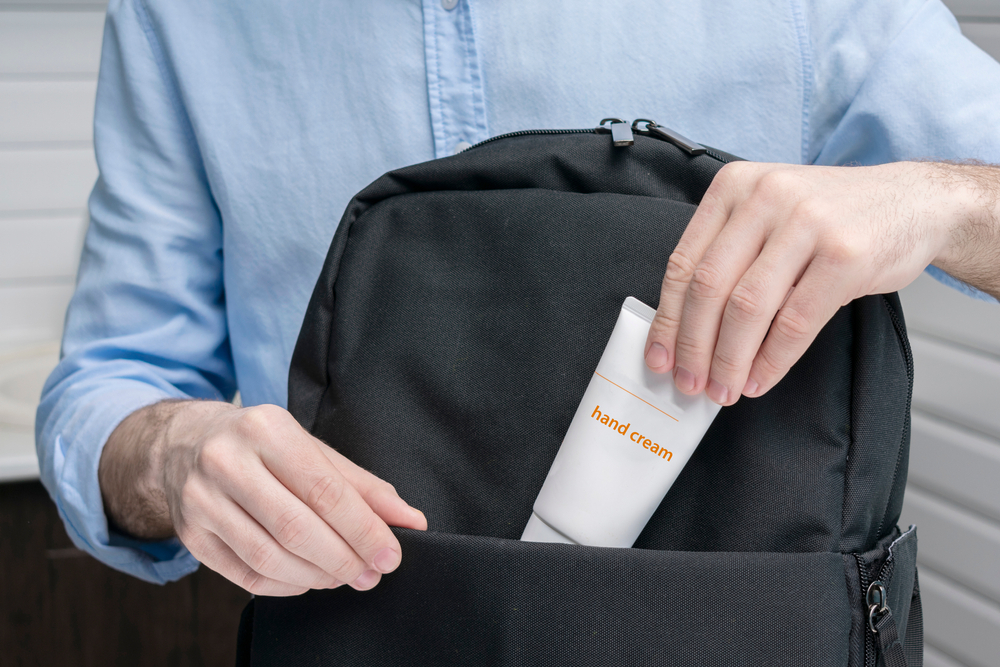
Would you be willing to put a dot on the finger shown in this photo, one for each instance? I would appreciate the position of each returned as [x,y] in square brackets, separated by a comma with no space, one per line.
[708,220]
[819,294]
[295,526]
[212,552]
[724,263]
[379,494]
[261,551]
[304,470]
[749,310]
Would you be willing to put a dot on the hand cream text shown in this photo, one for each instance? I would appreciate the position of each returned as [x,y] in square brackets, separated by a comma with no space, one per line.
[634,436]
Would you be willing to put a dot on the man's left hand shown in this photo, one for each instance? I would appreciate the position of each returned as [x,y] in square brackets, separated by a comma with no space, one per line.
[774,250]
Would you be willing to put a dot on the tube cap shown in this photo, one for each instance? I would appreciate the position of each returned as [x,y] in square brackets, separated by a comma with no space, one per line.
[539,531]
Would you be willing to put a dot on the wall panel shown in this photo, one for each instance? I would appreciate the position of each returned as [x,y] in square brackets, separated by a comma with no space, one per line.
[46,247]
[974,8]
[933,657]
[985,35]
[955,542]
[958,465]
[37,111]
[932,308]
[53,5]
[959,622]
[957,384]
[50,43]
[33,313]
[46,179]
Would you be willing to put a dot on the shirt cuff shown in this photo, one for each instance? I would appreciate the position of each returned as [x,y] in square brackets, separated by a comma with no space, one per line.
[71,479]
[955,283]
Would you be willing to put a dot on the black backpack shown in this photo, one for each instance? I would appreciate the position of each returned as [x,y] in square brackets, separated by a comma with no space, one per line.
[461,311]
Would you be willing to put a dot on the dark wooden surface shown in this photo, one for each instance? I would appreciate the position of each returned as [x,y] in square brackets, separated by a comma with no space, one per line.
[59,606]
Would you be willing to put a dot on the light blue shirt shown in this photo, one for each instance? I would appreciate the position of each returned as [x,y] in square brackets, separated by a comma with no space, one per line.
[231,135]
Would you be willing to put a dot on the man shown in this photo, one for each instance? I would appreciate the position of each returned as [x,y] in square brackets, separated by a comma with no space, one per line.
[231,135]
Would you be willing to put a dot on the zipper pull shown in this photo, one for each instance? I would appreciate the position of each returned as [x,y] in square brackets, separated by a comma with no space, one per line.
[679,140]
[621,133]
[877,600]
[883,626]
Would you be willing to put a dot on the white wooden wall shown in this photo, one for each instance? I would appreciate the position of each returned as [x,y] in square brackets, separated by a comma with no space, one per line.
[953,493]
[48,71]
[49,54]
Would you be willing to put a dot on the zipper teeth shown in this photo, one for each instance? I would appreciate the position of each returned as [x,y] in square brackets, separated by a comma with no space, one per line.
[596,130]
[522,133]
[869,657]
[908,356]
[711,153]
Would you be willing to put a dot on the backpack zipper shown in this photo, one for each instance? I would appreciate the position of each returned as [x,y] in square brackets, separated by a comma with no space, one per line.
[877,602]
[869,638]
[908,358]
[897,325]
[622,135]
[523,133]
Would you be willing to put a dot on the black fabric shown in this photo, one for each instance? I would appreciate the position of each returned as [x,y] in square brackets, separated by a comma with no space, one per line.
[889,647]
[913,643]
[899,575]
[461,311]
[899,638]
[897,642]
[244,636]
[549,604]
[880,417]
[859,610]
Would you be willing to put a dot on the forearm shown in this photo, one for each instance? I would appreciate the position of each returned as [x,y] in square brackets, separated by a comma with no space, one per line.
[133,465]
[972,250]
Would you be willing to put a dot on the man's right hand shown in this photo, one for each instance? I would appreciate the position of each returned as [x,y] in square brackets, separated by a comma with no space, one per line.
[253,496]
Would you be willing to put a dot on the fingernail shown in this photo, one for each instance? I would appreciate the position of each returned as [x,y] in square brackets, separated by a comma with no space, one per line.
[386,560]
[751,387]
[684,379]
[717,392]
[367,579]
[657,356]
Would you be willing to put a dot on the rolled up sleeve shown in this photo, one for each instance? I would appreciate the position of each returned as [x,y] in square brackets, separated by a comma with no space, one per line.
[147,321]
[921,91]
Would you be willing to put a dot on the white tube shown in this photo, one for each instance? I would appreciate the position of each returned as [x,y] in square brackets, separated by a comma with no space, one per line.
[629,439]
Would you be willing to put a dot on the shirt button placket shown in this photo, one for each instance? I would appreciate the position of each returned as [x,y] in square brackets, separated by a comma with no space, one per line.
[454,80]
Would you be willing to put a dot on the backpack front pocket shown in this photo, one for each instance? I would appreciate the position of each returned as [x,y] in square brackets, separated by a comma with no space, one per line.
[461,600]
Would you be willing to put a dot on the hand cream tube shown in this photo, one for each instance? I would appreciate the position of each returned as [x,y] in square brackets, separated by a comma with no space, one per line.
[628,441]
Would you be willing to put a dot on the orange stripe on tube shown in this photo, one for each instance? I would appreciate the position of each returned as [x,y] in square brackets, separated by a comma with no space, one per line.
[630,393]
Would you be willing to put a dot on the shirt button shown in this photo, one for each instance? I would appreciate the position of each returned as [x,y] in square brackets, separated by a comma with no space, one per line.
[449,4]
[461,146]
